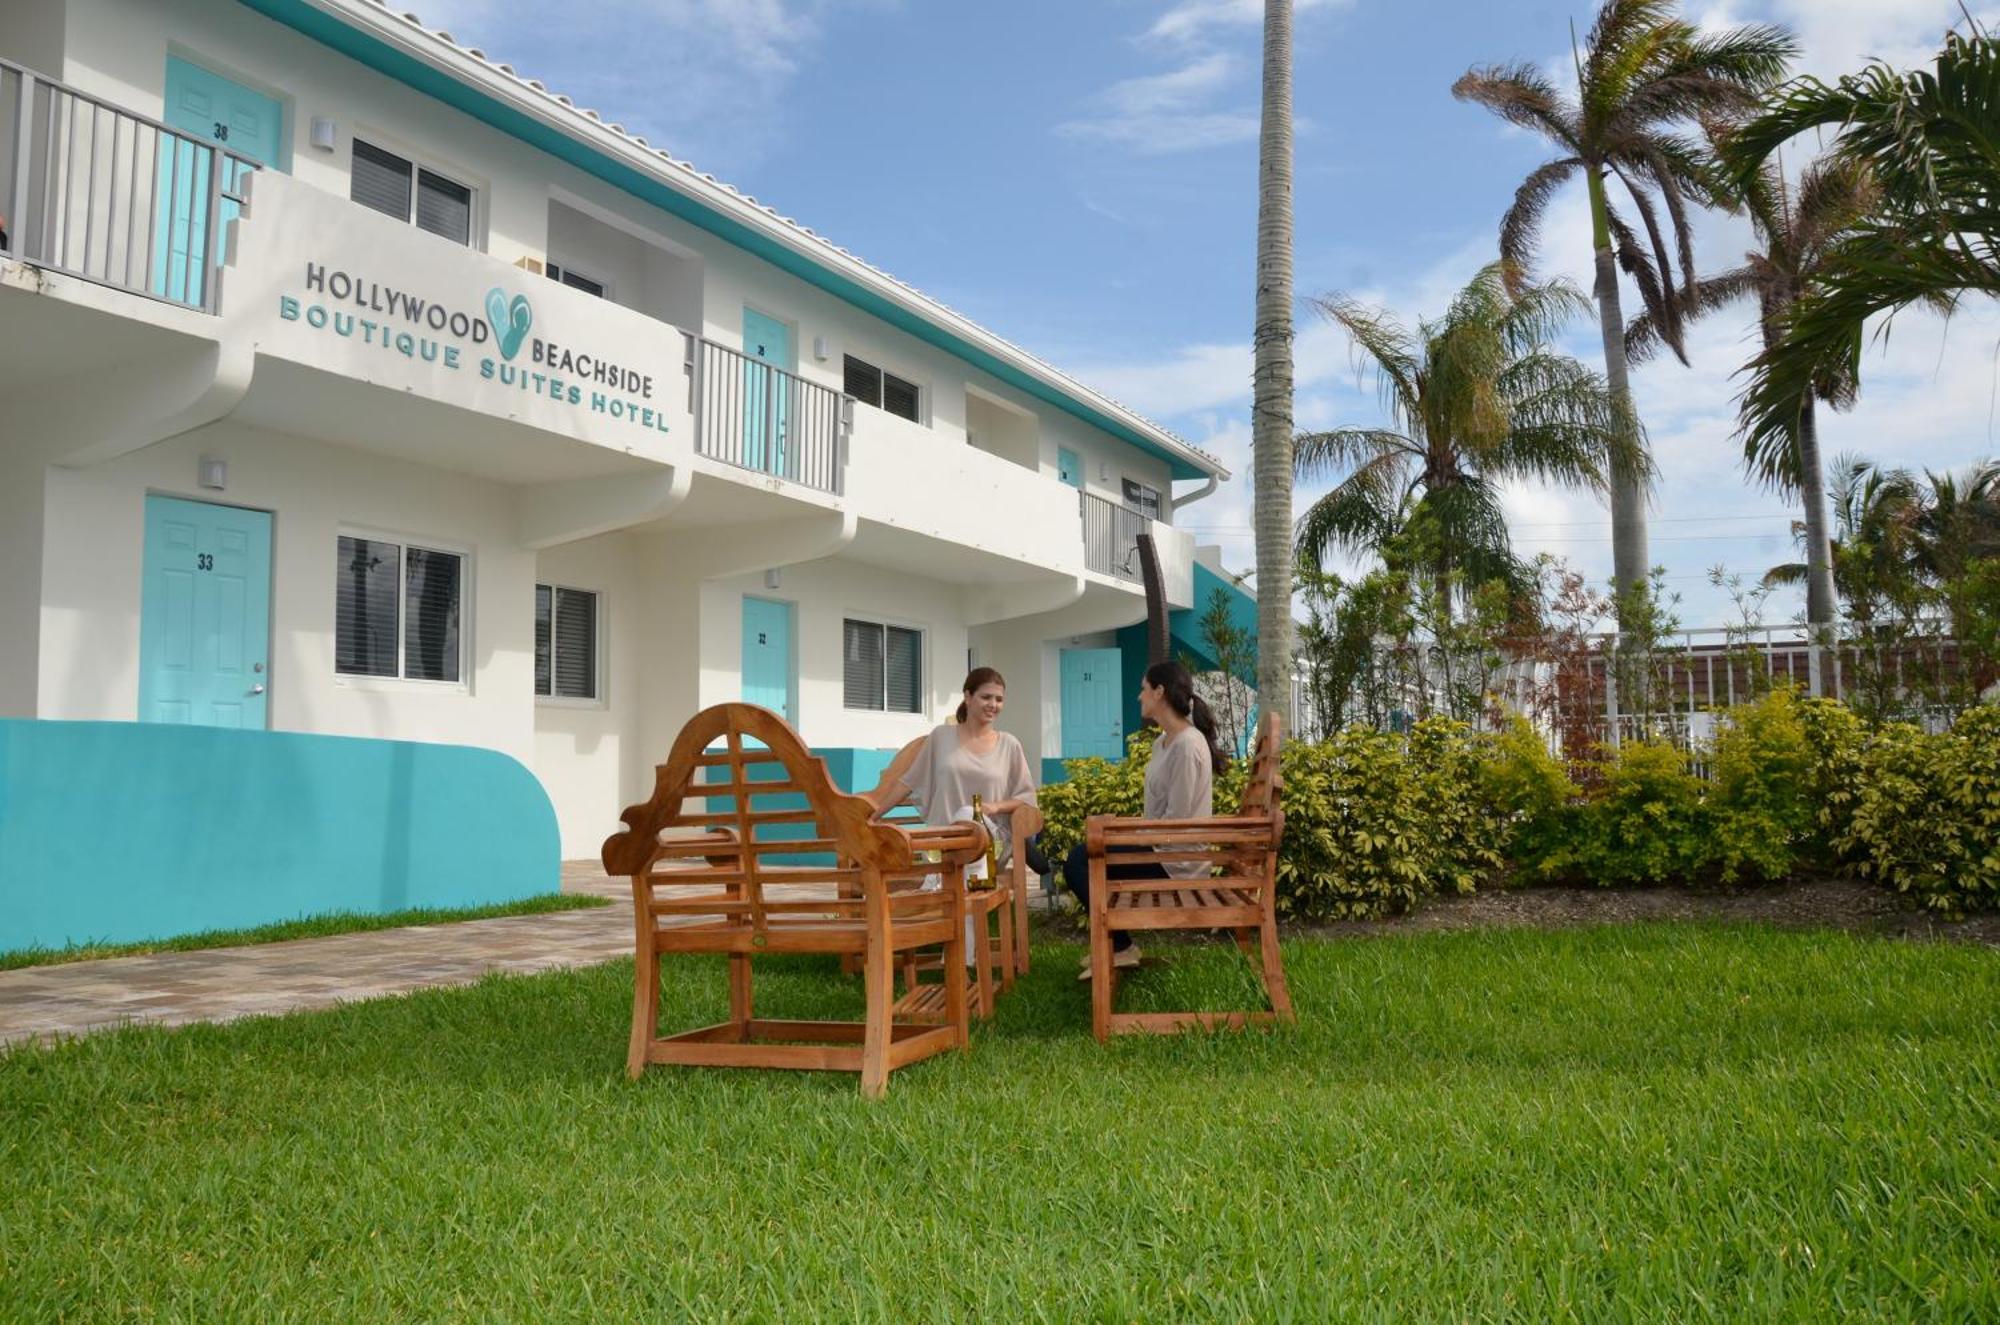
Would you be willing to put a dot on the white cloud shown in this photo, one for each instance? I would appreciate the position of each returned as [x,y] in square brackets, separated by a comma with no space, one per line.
[1189,22]
[1172,112]
[701,78]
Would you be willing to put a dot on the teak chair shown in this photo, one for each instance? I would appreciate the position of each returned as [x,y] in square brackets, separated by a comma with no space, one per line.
[699,857]
[1003,947]
[1241,898]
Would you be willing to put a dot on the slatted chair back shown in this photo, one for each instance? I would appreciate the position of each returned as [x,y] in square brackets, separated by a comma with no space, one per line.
[742,806]
[1234,888]
[740,810]
[1261,789]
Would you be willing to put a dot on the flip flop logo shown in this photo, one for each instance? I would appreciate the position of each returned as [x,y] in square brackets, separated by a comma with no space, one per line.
[510,321]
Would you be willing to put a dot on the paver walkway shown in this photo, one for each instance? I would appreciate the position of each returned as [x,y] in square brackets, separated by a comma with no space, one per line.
[222,984]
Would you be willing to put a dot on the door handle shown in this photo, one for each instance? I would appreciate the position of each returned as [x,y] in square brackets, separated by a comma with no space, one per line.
[257,689]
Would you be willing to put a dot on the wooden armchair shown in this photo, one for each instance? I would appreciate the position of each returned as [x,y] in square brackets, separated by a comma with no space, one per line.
[999,912]
[700,857]
[1241,898]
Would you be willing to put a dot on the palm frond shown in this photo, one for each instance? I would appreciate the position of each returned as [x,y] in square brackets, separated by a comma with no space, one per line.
[1642,336]
[1521,227]
[1381,342]
[1322,455]
[1523,96]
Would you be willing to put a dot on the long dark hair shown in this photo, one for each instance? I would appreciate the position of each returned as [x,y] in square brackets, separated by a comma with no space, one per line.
[1178,682]
[976,678]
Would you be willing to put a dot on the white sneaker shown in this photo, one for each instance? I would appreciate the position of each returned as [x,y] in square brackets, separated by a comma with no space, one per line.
[1123,959]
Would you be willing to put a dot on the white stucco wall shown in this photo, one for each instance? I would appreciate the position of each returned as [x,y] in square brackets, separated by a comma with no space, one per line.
[89,650]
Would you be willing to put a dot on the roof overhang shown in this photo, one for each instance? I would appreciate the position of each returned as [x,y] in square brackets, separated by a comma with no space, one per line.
[413,55]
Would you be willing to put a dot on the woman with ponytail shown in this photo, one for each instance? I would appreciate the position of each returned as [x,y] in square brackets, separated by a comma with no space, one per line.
[1180,784]
[968,758]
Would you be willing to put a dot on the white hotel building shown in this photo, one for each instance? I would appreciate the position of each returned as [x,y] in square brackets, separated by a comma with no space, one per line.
[353,384]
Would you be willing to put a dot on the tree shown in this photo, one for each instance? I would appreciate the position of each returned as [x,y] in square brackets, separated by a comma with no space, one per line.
[1271,426]
[1474,399]
[1641,76]
[1930,141]
[1796,229]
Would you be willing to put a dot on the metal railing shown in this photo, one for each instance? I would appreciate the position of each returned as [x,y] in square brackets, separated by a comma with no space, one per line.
[751,413]
[95,191]
[1111,537]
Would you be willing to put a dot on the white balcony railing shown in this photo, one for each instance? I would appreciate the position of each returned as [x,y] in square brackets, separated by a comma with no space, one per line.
[756,415]
[95,191]
[1111,537]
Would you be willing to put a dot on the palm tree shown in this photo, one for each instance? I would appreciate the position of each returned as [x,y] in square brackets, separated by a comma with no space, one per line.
[1475,399]
[1930,140]
[1876,517]
[1642,74]
[1795,228]
[1271,426]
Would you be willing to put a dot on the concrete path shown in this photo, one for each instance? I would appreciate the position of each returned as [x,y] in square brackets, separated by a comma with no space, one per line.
[222,984]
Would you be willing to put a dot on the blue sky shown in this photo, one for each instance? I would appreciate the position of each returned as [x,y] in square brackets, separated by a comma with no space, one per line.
[1080,176]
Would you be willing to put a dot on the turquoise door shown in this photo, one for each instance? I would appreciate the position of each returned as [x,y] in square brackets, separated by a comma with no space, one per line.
[204,614]
[211,109]
[767,656]
[1067,467]
[766,391]
[1093,721]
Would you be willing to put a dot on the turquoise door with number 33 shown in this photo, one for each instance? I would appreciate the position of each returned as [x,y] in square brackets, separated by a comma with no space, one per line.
[204,615]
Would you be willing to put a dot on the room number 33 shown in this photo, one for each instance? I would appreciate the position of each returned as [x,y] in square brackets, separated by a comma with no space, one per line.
[204,561]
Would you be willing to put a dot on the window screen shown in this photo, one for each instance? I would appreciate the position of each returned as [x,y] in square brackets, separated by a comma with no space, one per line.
[899,397]
[444,208]
[365,598]
[861,664]
[1140,498]
[565,642]
[576,280]
[380,180]
[906,670]
[863,381]
[431,603]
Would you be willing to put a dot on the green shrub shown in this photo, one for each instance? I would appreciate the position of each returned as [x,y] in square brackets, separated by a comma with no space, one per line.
[1530,795]
[1926,818]
[1835,737]
[1760,789]
[1370,828]
[1646,822]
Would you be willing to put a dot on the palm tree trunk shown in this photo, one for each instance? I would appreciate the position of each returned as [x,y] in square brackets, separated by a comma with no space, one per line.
[1628,485]
[1271,424]
[1821,605]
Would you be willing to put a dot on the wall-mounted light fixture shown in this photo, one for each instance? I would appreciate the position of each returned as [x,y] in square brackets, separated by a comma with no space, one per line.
[212,473]
[323,133]
[771,578]
[819,348]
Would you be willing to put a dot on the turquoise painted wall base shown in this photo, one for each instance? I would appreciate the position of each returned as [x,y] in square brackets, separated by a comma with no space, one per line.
[119,832]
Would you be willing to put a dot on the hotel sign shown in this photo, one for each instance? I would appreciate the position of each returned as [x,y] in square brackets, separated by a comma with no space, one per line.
[492,339]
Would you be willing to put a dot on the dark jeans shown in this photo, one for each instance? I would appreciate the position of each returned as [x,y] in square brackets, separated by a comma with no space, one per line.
[1076,877]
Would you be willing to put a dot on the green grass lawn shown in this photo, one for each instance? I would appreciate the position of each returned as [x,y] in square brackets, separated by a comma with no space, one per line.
[306,927]
[1644,1123]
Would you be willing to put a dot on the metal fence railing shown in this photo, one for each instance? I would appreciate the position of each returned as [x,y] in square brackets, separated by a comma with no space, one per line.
[754,414]
[1111,537]
[95,191]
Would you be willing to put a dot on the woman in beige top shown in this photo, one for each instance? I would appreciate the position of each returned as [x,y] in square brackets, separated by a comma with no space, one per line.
[1180,784]
[969,758]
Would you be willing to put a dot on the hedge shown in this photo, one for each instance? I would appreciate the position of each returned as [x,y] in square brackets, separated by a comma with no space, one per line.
[1377,821]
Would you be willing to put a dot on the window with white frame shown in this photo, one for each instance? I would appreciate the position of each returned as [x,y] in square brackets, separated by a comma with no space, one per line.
[575,279]
[1144,500]
[882,667]
[565,642]
[398,187]
[885,391]
[398,611]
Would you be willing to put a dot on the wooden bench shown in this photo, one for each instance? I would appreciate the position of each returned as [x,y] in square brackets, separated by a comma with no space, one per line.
[1239,893]
[706,856]
[1000,912]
